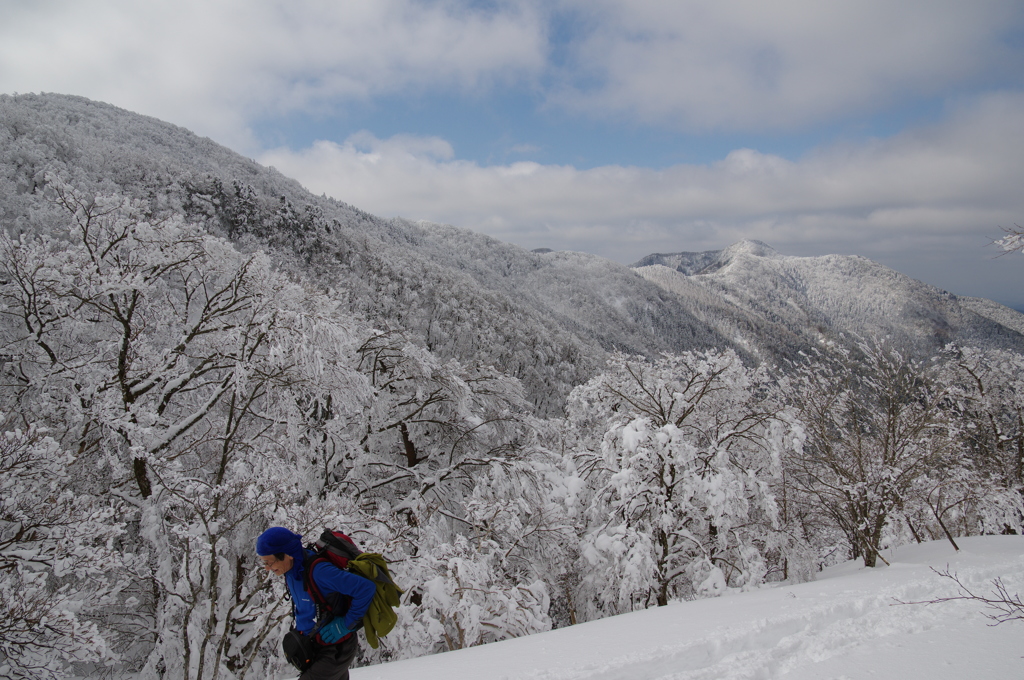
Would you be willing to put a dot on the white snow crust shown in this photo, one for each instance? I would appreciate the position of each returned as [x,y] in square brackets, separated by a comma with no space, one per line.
[845,625]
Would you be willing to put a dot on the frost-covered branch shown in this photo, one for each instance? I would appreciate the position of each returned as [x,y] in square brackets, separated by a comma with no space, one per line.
[1001,604]
[1013,241]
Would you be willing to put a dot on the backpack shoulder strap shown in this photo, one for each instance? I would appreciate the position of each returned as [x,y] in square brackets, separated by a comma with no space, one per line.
[309,583]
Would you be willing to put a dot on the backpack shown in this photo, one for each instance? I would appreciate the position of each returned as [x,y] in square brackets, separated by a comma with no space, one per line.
[338,549]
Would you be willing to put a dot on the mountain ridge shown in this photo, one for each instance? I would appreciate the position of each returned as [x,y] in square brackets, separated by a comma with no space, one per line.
[549,319]
[846,294]
[438,284]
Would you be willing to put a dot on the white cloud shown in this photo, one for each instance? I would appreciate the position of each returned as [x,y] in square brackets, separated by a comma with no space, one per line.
[946,187]
[749,64]
[216,65]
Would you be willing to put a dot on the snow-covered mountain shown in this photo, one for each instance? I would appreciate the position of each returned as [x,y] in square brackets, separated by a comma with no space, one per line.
[196,347]
[549,319]
[753,294]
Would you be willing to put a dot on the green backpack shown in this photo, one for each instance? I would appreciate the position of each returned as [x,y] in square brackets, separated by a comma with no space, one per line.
[380,617]
[340,550]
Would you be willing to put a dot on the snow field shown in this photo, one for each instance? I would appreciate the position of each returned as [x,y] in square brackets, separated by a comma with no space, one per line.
[845,625]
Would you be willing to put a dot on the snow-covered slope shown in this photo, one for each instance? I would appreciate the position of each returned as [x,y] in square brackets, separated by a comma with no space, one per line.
[846,624]
[549,319]
[1001,314]
[764,295]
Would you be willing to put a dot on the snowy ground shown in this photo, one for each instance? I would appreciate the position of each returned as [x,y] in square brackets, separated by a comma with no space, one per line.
[845,625]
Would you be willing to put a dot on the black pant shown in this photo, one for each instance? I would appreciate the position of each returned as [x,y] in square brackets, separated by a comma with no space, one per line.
[332,662]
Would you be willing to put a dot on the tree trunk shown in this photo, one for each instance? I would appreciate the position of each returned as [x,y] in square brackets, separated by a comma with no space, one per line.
[411,457]
[142,477]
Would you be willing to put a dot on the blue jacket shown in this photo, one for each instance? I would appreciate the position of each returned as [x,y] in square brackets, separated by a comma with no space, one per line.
[330,580]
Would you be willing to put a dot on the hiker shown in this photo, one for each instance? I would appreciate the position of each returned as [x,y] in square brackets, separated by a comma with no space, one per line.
[328,630]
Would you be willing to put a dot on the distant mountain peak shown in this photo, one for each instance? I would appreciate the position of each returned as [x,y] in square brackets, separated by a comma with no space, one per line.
[749,285]
[749,247]
[708,261]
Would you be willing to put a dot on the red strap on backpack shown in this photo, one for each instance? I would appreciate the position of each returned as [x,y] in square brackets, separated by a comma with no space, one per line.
[334,548]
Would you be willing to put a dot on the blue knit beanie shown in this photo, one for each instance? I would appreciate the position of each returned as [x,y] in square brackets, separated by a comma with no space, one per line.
[280,540]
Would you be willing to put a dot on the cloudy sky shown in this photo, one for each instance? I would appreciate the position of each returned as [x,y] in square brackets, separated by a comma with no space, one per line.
[891,129]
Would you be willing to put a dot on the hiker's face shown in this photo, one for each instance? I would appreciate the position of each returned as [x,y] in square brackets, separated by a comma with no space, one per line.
[276,566]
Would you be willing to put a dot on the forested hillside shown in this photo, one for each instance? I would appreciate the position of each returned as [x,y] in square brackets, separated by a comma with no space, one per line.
[454,290]
[194,348]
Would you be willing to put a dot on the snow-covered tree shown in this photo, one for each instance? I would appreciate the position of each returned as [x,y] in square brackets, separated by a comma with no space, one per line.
[1013,241]
[989,387]
[985,491]
[57,562]
[680,456]
[190,377]
[874,429]
[208,394]
[451,451]
[464,596]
